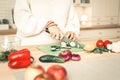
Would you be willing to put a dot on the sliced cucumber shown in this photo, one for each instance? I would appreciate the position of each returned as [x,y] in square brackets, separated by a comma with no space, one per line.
[51,58]
[55,48]
[63,44]
[73,44]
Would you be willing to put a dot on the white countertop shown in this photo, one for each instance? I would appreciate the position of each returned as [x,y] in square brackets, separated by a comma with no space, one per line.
[91,67]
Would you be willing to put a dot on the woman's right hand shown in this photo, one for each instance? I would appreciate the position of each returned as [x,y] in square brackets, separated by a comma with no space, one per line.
[55,32]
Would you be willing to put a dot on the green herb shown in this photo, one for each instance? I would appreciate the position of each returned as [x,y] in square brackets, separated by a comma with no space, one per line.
[100,50]
[4,54]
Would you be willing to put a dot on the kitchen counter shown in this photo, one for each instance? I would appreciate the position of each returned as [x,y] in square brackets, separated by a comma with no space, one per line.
[111,26]
[8,32]
[92,66]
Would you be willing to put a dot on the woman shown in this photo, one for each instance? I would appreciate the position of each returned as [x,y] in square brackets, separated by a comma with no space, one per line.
[45,21]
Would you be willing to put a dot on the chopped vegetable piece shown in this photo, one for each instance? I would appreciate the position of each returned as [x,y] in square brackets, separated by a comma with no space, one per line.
[73,44]
[75,57]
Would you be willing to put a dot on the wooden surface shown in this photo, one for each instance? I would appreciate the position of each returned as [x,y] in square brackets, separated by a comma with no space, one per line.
[8,32]
[100,27]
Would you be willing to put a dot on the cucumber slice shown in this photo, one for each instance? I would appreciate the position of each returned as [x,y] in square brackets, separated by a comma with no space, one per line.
[55,48]
[73,44]
[63,44]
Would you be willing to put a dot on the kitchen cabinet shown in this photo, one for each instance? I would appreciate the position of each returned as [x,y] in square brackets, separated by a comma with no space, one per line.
[103,16]
[105,12]
[103,33]
[99,12]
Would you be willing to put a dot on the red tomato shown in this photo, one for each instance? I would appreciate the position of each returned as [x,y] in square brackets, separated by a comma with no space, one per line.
[106,42]
[99,43]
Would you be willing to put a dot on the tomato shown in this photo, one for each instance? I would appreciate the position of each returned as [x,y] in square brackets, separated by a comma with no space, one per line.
[100,43]
[106,42]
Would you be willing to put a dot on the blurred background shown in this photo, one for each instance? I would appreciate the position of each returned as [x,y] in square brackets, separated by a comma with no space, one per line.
[98,18]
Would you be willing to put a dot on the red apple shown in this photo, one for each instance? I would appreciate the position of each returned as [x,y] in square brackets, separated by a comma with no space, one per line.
[32,71]
[44,76]
[58,72]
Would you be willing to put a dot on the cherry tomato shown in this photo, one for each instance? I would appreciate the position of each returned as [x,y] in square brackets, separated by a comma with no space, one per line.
[106,42]
[99,43]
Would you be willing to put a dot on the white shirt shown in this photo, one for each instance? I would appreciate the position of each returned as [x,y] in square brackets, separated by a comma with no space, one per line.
[32,15]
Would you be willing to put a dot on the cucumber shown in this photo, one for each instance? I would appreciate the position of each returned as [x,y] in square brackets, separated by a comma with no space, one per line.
[51,58]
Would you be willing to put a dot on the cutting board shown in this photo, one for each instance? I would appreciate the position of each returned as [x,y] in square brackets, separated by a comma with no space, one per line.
[47,49]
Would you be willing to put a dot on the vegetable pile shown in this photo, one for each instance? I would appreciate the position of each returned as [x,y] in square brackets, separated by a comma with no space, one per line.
[62,57]
[101,46]
[67,44]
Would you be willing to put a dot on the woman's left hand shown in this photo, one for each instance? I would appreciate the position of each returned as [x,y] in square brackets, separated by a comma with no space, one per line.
[71,35]
[55,32]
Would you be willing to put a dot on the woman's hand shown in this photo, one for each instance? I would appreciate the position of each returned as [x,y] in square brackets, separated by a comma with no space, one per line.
[71,35]
[55,32]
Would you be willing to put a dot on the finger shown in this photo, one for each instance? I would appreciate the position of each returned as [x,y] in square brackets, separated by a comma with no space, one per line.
[71,36]
[67,35]
[74,38]
[53,35]
[57,36]
[61,36]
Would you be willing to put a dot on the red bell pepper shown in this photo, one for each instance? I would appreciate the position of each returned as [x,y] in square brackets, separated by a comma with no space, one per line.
[18,55]
[20,59]
[19,63]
